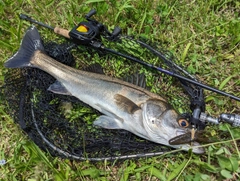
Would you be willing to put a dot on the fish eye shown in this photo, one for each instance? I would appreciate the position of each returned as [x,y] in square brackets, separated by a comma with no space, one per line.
[153,121]
[183,123]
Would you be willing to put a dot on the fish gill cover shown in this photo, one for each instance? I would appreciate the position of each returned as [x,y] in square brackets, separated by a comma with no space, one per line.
[62,125]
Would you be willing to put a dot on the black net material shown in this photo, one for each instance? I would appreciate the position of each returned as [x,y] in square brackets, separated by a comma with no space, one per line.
[62,125]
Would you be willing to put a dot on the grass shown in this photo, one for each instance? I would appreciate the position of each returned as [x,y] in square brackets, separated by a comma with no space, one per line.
[205,38]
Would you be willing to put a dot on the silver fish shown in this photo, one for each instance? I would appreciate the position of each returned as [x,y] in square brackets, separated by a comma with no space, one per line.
[124,105]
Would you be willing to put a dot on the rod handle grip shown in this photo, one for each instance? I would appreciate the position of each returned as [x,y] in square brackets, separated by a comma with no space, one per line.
[62,32]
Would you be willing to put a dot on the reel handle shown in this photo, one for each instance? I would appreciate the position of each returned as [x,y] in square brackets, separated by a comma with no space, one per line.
[116,31]
[90,14]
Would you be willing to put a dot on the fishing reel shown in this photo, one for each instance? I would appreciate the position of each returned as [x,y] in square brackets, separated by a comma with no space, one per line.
[87,32]
[199,119]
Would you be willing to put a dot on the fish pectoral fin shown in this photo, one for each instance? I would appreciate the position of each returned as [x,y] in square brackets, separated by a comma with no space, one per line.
[58,88]
[108,122]
[125,104]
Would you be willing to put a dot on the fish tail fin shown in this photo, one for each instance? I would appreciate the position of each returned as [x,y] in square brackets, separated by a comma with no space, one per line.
[31,42]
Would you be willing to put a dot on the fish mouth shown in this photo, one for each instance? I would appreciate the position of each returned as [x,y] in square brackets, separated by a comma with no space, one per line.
[187,137]
[185,141]
[181,138]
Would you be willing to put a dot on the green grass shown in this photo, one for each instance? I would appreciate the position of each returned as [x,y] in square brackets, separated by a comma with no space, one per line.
[205,38]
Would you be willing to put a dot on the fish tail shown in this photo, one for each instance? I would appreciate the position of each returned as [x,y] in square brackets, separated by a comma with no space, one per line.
[31,42]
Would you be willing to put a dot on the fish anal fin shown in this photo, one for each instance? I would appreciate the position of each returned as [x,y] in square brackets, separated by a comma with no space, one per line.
[125,104]
[58,88]
[107,122]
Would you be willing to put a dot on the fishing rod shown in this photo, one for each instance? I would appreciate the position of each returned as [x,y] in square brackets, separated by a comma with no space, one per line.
[88,33]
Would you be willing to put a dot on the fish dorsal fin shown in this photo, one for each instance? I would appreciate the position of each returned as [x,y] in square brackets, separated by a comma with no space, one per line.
[125,104]
[137,79]
[94,68]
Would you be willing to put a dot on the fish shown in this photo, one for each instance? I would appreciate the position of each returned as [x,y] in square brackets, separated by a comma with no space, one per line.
[124,105]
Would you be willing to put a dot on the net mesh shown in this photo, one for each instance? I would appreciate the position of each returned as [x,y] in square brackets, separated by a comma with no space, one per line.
[62,125]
